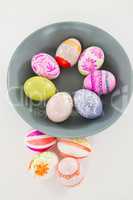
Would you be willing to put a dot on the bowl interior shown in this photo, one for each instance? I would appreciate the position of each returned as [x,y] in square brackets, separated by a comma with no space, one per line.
[47,40]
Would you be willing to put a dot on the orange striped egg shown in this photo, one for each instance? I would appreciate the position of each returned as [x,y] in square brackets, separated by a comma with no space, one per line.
[37,141]
[76,148]
[68,52]
[70,172]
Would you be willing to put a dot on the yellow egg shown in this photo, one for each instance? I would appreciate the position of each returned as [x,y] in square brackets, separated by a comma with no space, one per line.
[39,88]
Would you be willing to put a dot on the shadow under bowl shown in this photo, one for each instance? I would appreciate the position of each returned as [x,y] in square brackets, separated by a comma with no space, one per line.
[47,40]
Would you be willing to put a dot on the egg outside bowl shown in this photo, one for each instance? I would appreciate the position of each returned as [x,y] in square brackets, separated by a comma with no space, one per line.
[47,40]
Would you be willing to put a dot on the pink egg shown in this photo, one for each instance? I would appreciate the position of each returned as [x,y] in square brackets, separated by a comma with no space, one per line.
[38,141]
[70,172]
[100,81]
[91,59]
[45,65]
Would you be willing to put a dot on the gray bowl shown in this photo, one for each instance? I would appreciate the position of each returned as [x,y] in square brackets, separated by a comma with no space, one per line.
[47,40]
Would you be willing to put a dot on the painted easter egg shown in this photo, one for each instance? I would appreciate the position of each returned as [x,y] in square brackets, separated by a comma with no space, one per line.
[59,107]
[69,172]
[91,59]
[74,147]
[68,52]
[44,165]
[100,81]
[37,141]
[88,104]
[45,65]
[39,88]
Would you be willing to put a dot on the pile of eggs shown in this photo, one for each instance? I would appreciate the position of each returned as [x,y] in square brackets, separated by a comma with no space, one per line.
[66,164]
[87,101]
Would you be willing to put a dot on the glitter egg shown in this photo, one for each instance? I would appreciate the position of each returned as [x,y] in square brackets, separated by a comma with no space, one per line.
[38,141]
[91,59]
[44,165]
[88,104]
[45,65]
[100,81]
[68,52]
[74,147]
[70,172]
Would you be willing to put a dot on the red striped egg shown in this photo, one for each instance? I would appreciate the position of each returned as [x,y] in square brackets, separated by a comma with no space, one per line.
[38,141]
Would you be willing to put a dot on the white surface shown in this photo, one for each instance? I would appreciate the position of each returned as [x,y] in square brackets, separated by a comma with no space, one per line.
[110,173]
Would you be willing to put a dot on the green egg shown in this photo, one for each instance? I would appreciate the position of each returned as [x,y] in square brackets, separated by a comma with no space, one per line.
[39,88]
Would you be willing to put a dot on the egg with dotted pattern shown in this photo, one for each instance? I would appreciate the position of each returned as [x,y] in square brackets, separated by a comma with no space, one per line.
[70,172]
[88,104]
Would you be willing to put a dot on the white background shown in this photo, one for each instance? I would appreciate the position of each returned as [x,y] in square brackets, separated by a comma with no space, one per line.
[110,170]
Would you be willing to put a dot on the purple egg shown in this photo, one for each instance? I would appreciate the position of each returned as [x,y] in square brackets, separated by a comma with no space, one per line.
[88,104]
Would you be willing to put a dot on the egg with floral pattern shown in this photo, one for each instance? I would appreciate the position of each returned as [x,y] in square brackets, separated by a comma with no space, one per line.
[91,59]
[45,65]
[43,165]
